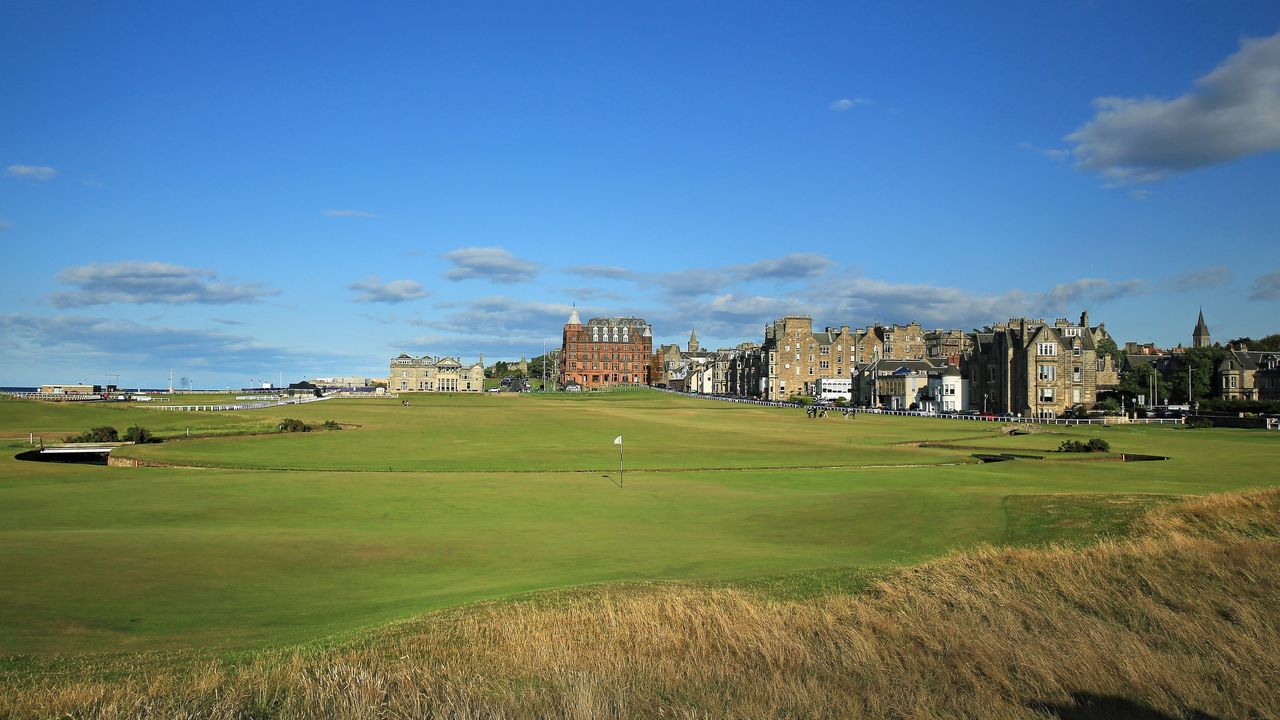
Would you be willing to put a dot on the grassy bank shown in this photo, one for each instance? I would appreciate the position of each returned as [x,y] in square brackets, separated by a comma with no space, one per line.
[1181,619]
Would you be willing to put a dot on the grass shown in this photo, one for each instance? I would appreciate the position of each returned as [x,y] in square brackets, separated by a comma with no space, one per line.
[308,541]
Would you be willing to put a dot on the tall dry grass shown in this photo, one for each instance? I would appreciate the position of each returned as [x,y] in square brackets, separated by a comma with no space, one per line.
[1181,621]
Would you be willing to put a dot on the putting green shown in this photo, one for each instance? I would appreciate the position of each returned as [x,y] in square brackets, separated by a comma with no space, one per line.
[494,495]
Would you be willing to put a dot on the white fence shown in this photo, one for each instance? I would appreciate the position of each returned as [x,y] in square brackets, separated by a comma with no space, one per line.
[240,406]
[943,416]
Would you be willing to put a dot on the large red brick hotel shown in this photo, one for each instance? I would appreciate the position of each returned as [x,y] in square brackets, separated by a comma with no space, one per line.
[605,351]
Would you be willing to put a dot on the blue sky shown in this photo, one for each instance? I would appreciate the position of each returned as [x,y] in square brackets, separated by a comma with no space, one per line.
[233,190]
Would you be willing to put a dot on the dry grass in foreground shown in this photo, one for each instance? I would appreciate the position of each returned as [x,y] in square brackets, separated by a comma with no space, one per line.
[1180,621]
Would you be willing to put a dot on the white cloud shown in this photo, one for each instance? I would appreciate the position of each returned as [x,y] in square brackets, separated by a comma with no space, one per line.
[348,213]
[1266,287]
[31,172]
[152,282]
[849,103]
[489,263]
[373,290]
[1232,112]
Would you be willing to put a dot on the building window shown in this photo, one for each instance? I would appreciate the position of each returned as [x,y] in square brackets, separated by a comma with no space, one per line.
[824,365]
[1075,395]
[1076,374]
[824,350]
[1047,349]
[1077,351]
[1046,394]
[1046,372]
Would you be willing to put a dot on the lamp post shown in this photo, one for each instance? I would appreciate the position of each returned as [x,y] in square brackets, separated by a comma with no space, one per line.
[1189,368]
[984,403]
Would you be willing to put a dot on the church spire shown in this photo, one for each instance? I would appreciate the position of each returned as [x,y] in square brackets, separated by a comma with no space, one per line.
[1200,336]
[693,341]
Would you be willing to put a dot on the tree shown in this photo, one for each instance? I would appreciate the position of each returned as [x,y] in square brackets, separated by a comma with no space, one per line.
[1203,363]
[1107,346]
[1138,382]
[1270,343]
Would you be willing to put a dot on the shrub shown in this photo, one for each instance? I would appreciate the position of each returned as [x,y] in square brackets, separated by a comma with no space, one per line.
[841,402]
[800,400]
[293,425]
[331,425]
[1081,446]
[139,435]
[102,433]
[1200,422]
[1110,406]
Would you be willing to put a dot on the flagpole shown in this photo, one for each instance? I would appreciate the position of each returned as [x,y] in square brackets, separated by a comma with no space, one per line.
[620,463]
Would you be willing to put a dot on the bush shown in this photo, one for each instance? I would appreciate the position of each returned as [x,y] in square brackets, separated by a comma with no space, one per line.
[1109,406]
[1081,446]
[293,425]
[800,400]
[1199,422]
[841,402]
[331,425]
[102,433]
[139,435]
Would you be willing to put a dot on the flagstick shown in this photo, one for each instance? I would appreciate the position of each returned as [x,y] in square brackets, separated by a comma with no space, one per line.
[620,464]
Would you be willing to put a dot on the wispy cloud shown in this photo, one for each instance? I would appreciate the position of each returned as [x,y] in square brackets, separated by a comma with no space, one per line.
[39,173]
[1210,277]
[489,263]
[348,213]
[4,225]
[1232,112]
[792,266]
[1266,287]
[609,272]
[226,321]
[1051,153]
[849,103]
[592,294]
[133,342]
[373,290]
[136,282]
[498,315]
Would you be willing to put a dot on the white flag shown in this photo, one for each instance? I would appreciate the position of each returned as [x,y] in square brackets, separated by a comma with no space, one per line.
[617,440]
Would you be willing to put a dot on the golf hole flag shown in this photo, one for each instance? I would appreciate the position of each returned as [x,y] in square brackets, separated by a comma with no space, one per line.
[618,441]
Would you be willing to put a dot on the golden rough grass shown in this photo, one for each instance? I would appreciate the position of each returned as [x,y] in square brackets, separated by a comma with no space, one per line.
[1181,620]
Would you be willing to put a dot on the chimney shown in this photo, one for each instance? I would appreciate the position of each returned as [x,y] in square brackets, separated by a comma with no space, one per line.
[1084,319]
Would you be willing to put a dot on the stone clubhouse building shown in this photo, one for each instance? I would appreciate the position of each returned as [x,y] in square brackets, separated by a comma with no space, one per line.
[430,374]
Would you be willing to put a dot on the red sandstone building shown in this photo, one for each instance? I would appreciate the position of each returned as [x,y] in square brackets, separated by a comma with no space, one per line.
[605,351]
